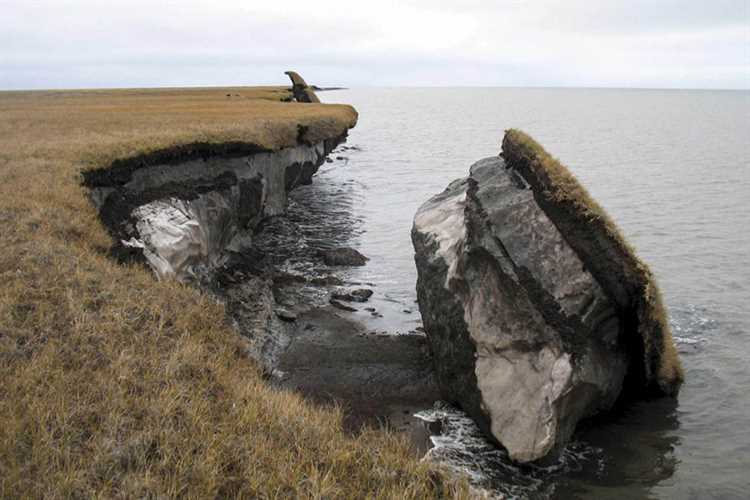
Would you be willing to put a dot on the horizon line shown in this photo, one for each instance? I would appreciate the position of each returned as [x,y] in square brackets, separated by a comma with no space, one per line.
[407,86]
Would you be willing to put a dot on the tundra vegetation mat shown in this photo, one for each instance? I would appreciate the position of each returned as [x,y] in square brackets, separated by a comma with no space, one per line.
[660,371]
[119,385]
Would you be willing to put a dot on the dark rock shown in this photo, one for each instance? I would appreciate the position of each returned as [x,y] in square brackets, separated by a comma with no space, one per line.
[285,315]
[341,295]
[284,278]
[361,294]
[527,334]
[251,304]
[343,257]
[356,295]
[434,427]
[327,281]
[339,305]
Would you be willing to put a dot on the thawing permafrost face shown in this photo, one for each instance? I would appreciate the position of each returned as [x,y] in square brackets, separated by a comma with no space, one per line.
[444,221]
[169,236]
[520,393]
[177,234]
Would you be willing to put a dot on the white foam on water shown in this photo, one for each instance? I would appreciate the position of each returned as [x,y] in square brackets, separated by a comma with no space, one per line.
[692,327]
[461,447]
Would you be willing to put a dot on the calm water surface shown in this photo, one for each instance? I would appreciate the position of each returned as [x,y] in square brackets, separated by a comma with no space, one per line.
[672,168]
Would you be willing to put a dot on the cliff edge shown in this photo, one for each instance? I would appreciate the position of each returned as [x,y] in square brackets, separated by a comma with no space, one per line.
[119,384]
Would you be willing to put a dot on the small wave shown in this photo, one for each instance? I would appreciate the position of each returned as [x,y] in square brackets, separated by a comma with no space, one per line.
[691,320]
[461,446]
[692,326]
[688,340]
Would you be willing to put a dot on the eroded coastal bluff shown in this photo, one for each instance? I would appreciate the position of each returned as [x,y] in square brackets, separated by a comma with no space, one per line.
[208,215]
[158,371]
[183,210]
[119,384]
[538,312]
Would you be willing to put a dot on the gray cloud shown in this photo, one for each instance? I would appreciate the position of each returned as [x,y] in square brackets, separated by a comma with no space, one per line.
[85,43]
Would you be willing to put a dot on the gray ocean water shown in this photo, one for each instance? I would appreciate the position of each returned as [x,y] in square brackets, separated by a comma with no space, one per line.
[673,170]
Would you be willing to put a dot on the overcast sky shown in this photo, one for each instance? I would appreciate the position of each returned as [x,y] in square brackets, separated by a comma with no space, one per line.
[595,43]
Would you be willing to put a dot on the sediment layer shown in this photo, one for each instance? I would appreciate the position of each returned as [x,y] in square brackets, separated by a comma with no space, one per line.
[182,216]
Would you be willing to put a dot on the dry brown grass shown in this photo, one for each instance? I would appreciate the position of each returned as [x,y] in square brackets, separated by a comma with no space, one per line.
[661,364]
[117,385]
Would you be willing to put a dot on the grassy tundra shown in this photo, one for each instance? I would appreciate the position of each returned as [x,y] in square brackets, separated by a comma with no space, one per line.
[117,385]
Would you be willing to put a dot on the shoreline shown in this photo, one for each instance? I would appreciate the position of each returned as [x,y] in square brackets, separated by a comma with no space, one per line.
[152,205]
[381,379]
[107,368]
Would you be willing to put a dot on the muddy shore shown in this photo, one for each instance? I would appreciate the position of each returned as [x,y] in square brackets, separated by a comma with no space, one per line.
[278,293]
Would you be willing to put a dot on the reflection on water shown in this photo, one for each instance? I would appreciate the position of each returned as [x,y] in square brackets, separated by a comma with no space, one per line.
[637,453]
